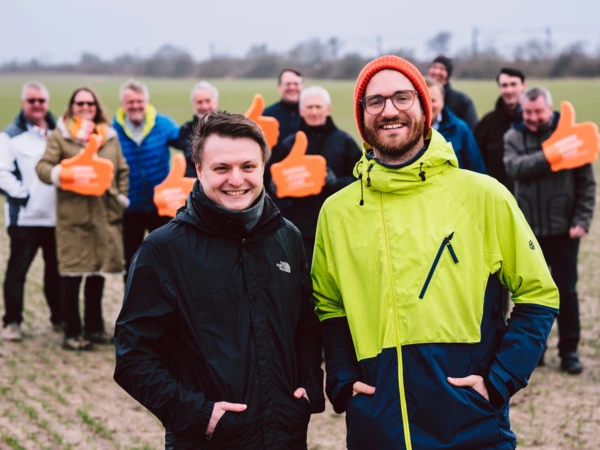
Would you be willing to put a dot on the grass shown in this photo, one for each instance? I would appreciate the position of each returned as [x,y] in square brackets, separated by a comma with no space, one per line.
[61,400]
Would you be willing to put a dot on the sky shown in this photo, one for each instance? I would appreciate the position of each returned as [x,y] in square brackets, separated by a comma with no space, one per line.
[60,30]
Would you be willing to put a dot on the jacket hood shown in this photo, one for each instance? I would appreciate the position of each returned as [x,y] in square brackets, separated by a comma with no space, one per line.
[436,156]
[205,216]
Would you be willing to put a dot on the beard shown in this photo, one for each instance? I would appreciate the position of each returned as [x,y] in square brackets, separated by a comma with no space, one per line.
[399,148]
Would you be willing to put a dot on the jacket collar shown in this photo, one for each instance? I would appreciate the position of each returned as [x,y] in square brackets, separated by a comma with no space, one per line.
[21,121]
[62,128]
[149,121]
[434,158]
[503,111]
[201,213]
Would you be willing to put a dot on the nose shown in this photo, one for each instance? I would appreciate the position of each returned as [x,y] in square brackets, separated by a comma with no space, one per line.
[236,178]
[389,110]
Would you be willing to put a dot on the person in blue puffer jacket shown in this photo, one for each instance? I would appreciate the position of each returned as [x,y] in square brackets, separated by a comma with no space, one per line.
[145,137]
[455,130]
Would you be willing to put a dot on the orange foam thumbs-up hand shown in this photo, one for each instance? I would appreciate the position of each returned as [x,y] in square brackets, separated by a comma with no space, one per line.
[299,175]
[268,125]
[86,173]
[170,195]
[571,145]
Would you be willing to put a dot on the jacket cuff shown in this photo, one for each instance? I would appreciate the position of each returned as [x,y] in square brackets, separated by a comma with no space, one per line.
[494,395]
[498,385]
[205,414]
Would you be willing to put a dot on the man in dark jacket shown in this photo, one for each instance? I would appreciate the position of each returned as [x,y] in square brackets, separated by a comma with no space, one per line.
[459,103]
[454,130]
[217,336]
[205,98]
[289,85]
[558,206]
[489,132]
[325,139]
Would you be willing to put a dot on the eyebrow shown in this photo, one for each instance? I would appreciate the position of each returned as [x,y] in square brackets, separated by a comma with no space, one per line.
[250,161]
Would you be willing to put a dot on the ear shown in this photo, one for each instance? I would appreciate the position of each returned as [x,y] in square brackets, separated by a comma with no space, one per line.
[329,108]
[198,170]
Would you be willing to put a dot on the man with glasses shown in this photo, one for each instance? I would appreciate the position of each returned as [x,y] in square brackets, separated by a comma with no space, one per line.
[29,208]
[286,111]
[407,271]
[145,137]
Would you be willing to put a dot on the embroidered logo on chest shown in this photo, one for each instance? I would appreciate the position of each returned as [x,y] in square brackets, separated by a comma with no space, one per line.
[284,267]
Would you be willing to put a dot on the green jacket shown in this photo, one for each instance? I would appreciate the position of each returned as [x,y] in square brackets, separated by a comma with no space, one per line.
[406,259]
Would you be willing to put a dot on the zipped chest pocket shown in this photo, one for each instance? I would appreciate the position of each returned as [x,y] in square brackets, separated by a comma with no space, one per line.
[444,245]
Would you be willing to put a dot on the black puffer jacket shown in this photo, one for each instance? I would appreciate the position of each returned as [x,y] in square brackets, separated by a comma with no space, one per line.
[212,313]
[341,153]
[552,202]
[489,134]
[184,142]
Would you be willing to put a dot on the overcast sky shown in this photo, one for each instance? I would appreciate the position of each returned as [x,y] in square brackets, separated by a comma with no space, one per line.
[60,30]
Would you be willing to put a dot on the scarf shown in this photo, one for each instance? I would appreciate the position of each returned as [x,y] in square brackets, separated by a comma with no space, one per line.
[81,129]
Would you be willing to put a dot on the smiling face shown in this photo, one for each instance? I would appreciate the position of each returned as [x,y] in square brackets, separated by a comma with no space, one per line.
[536,113]
[84,105]
[314,110]
[290,87]
[437,102]
[134,104]
[35,105]
[438,72]
[231,171]
[393,133]
[511,89]
[204,102]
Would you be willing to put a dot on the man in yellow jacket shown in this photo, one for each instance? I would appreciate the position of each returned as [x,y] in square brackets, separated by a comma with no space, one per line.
[407,270]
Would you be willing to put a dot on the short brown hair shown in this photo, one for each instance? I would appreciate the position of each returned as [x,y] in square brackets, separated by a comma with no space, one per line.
[100,116]
[227,125]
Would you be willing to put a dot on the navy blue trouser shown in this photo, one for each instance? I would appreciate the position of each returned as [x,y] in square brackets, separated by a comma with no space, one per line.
[561,253]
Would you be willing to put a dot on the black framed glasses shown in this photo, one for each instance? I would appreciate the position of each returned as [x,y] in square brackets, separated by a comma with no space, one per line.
[402,100]
[81,104]
[32,101]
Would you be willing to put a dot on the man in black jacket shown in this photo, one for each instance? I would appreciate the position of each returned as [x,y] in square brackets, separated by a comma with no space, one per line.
[458,102]
[205,98]
[217,336]
[289,85]
[558,205]
[325,139]
[489,132]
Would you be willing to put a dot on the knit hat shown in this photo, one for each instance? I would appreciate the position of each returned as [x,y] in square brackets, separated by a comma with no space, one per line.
[447,62]
[400,65]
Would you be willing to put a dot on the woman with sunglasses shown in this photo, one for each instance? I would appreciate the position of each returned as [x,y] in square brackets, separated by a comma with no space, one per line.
[88,228]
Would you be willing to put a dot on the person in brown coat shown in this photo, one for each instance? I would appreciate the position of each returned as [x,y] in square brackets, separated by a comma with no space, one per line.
[88,228]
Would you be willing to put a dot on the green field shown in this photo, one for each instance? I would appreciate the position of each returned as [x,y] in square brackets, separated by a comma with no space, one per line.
[172,97]
[53,399]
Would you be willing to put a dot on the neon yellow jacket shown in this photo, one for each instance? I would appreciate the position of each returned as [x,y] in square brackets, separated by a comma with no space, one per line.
[411,275]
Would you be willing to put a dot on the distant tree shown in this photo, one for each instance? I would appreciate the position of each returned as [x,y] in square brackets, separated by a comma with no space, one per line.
[440,43]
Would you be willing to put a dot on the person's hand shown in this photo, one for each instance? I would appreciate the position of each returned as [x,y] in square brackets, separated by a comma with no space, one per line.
[362,388]
[301,392]
[218,411]
[474,381]
[577,231]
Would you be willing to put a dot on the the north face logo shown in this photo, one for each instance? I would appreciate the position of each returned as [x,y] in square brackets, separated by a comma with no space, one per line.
[531,245]
[284,267]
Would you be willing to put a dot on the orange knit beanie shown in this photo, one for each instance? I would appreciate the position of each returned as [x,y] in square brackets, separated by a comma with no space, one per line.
[393,63]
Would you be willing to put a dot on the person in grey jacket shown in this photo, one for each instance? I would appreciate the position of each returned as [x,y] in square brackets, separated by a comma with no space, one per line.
[558,206]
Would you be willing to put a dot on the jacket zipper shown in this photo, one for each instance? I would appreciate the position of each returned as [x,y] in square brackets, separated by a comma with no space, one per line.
[445,244]
[403,407]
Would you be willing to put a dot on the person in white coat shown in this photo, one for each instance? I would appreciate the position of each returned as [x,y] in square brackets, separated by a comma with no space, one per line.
[30,214]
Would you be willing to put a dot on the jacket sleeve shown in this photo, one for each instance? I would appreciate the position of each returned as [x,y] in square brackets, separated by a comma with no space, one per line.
[474,158]
[309,342]
[173,134]
[9,184]
[585,196]
[51,157]
[340,356]
[146,320]
[516,257]
[122,171]
[521,167]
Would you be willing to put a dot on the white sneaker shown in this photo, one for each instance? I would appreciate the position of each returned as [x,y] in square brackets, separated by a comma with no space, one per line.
[12,332]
